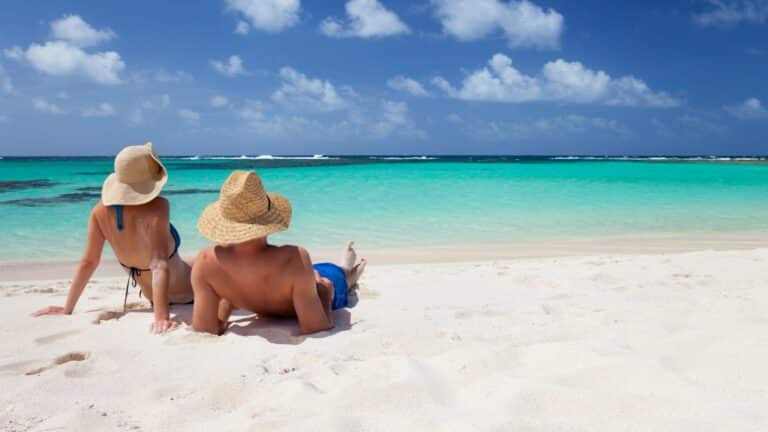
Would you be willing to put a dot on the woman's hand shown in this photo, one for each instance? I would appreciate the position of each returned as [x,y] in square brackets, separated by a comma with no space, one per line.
[50,310]
[162,326]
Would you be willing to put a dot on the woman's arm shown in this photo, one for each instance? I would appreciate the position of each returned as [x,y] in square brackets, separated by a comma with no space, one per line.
[85,269]
[160,275]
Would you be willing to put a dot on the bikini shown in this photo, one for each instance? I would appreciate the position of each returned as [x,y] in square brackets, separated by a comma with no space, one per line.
[134,272]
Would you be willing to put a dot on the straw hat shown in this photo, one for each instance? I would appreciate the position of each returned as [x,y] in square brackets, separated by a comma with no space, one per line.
[244,211]
[138,178]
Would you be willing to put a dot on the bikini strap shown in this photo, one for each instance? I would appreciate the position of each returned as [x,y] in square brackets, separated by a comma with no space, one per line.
[119,211]
[133,273]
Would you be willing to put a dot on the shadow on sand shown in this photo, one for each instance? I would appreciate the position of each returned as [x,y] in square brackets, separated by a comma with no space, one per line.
[277,330]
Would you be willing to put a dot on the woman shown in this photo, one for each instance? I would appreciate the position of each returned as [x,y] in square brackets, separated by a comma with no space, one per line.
[135,221]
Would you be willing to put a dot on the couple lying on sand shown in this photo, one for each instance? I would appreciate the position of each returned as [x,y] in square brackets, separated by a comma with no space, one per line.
[243,271]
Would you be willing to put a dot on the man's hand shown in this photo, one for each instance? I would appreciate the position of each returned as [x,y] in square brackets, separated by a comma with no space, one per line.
[50,310]
[162,326]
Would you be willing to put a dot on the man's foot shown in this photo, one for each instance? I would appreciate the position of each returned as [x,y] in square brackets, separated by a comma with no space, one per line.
[348,256]
[355,273]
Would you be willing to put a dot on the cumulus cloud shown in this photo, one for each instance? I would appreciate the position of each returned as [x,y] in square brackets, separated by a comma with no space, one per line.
[136,117]
[189,115]
[408,85]
[267,15]
[63,59]
[6,85]
[242,28]
[546,127]
[559,81]
[365,19]
[384,120]
[66,56]
[523,23]
[731,12]
[42,105]
[750,109]
[300,91]
[160,102]
[219,101]
[73,29]
[232,67]
[102,110]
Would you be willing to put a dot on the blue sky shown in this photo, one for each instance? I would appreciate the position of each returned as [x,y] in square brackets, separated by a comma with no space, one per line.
[384,77]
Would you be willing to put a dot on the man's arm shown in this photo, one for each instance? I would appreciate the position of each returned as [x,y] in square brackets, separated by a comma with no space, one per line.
[86,268]
[210,309]
[306,301]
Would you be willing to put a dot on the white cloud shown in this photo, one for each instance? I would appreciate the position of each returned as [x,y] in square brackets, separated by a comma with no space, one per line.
[750,109]
[393,120]
[157,103]
[136,117]
[299,91]
[365,19]
[525,24]
[171,77]
[242,28]
[232,67]
[60,58]
[548,127]
[14,53]
[559,81]
[6,85]
[189,115]
[408,85]
[219,101]
[102,110]
[731,12]
[267,15]
[74,29]
[42,105]
[697,126]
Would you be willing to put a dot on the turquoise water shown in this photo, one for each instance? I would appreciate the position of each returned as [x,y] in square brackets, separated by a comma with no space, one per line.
[390,203]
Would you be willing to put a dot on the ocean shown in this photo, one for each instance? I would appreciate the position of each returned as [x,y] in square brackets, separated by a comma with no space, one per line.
[401,201]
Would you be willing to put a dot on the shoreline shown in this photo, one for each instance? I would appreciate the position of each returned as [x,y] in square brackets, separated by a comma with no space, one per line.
[23,270]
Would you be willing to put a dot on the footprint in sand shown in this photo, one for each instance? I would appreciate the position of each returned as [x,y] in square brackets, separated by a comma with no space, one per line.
[113,314]
[56,336]
[66,358]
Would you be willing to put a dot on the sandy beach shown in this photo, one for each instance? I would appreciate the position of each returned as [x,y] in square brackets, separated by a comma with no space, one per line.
[670,341]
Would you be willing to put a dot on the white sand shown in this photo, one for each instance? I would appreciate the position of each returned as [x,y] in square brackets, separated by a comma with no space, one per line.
[613,343]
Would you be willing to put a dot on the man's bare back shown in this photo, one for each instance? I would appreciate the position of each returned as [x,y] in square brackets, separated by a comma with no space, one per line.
[260,278]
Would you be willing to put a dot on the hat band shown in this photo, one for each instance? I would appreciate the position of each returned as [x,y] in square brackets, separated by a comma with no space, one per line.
[258,216]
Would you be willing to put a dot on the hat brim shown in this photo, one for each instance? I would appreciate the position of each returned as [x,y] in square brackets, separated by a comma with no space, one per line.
[215,227]
[114,192]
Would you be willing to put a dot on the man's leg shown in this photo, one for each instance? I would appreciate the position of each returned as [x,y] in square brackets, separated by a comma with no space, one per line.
[326,293]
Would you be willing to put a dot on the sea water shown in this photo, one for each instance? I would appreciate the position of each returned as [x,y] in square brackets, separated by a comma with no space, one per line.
[405,201]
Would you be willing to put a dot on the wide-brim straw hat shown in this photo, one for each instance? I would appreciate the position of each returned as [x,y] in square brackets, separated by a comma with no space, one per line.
[244,211]
[138,178]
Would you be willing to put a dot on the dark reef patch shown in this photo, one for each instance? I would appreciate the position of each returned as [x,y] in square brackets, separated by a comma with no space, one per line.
[12,185]
[192,191]
[67,198]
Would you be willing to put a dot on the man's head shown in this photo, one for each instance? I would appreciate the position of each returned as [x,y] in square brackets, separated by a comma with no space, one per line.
[244,211]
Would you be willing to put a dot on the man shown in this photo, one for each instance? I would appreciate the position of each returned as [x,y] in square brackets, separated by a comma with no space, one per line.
[244,271]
